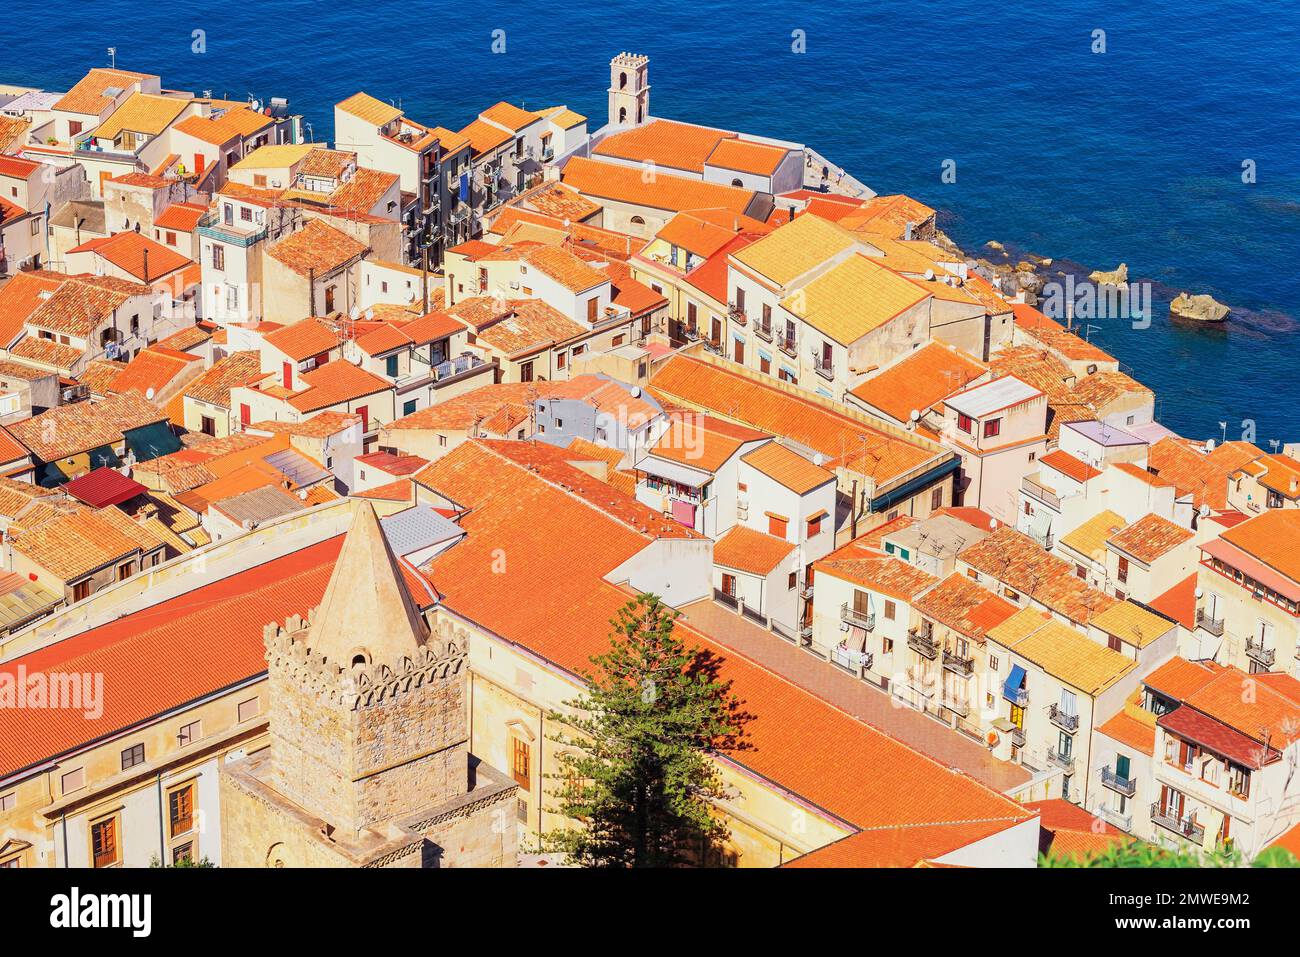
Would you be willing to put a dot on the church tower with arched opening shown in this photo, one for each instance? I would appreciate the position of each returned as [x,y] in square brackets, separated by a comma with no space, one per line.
[629,89]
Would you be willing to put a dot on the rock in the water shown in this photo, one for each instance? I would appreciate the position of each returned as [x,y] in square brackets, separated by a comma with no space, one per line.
[1116,277]
[1202,308]
[994,244]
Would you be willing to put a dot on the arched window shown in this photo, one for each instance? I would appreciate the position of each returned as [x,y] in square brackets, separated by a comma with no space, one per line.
[622,80]
[736,182]
[637,221]
[622,114]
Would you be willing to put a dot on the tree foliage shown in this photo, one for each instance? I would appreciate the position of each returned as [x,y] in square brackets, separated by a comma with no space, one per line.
[1140,854]
[636,773]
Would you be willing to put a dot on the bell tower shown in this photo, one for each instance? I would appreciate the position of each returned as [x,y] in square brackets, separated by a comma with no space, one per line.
[629,89]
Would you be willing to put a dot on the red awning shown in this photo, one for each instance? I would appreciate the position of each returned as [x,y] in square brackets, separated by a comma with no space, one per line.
[1212,735]
[103,487]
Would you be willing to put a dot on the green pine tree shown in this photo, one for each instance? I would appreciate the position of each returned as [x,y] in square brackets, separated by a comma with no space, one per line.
[638,780]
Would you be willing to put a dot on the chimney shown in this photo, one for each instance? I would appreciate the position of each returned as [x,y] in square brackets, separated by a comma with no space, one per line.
[146,264]
[907,230]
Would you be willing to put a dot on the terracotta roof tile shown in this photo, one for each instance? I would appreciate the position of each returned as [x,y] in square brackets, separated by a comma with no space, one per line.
[1150,537]
[747,550]
[788,468]
[667,144]
[918,382]
[667,192]
[316,248]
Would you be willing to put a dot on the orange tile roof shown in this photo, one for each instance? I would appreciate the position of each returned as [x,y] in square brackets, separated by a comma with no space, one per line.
[1055,337]
[20,297]
[703,442]
[1070,831]
[1150,537]
[747,550]
[964,606]
[1264,708]
[363,191]
[1179,602]
[213,386]
[788,468]
[509,116]
[1015,559]
[565,268]
[136,254]
[484,137]
[47,352]
[847,442]
[146,113]
[747,157]
[797,740]
[1282,475]
[79,305]
[335,383]
[556,200]
[1128,730]
[924,378]
[237,123]
[69,429]
[1068,465]
[626,184]
[151,370]
[515,327]
[1179,678]
[889,215]
[881,573]
[89,95]
[1270,537]
[319,426]
[400,491]
[304,339]
[183,217]
[366,107]
[186,339]
[913,845]
[77,543]
[316,248]
[665,143]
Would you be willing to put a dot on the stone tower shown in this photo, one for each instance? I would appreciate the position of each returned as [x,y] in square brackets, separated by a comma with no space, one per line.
[369,758]
[629,89]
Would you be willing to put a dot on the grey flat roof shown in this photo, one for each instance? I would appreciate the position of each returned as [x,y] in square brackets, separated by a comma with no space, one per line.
[259,505]
[416,528]
[1103,434]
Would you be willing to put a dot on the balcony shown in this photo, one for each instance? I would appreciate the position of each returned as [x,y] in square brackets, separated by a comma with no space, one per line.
[737,315]
[1125,786]
[723,598]
[806,591]
[957,664]
[1063,761]
[763,332]
[1066,722]
[923,643]
[1040,492]
[1017,696]
[1256,652]
[1183,827]
[1122,821]
[1213,626]
[956,705]
[211,226]
[1018,737]
[856,662]
[854,617]
[787,345]
[824,369]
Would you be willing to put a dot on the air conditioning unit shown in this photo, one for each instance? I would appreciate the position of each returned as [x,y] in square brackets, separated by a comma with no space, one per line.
[514,284]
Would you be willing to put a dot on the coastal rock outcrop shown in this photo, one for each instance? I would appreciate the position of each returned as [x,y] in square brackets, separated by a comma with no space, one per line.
[1202,308]
[1116,277]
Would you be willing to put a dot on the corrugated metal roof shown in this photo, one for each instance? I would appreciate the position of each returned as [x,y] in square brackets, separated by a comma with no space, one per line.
[417,528]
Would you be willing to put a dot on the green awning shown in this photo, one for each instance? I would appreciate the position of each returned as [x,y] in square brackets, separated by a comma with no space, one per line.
[151,441]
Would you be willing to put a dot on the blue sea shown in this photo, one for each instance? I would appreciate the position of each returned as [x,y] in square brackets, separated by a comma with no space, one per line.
[1134,154]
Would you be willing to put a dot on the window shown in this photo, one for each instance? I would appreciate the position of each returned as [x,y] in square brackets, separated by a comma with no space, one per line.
[132,756]
[8,801]
[218,256]
[525,372]
[964,422]
[183,852]
[520,763]
[103,842]
[561,359]
[245,214]
[592,303]
[891,610]
[1080,571]
[408,406]
[936,498]
[993,663]
[81,590]
[618,341]
[992,427]
[729,585]
[180,810]
[390,367]
[814,526]
[794,580]
[171,238]
[248,709]
[189,733]
[125,571]
[1123,569]
[776,525]
[1122,767]
[259,179]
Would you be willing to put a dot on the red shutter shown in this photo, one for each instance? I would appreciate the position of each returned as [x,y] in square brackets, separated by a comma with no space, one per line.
[245,414]
[288,375]
[364,412]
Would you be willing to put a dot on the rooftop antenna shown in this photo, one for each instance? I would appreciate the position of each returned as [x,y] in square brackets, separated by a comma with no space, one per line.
[1274,443]
[1224,427]
[112,58]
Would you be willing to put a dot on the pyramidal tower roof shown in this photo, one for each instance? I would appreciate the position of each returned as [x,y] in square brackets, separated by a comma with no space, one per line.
[367,608]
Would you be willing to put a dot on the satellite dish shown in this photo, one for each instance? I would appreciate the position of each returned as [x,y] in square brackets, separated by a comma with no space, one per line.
[370,313]
[1209,445]
[148,393]
[302,494]
[929,275]
[636,392]
[1200,592]
[1205,510]
[818,459]
[993,524]
[916,415]
[355,313]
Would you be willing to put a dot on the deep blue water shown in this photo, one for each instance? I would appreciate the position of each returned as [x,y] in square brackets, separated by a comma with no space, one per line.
[1133,155]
